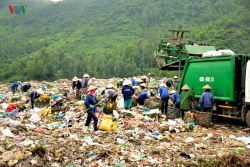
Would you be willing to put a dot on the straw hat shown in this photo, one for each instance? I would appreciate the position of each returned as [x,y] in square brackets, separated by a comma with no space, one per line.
[75,79]
[185,87]
[207,87]
[143,77]
[143,84]
[91,87]
[126,82]
[162,84]
[19,82]
[175,77]
[173,91]
[40,91]
[134,77]
[110,85]
[139,80]
[85,75]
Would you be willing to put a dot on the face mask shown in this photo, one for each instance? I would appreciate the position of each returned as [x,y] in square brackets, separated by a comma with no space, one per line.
[92,92]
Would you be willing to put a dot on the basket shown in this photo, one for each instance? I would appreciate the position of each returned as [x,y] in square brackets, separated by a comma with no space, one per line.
[203,118]
[173,113]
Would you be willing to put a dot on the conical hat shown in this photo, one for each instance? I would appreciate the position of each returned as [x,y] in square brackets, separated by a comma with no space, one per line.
[162,84]
[185,87]
[172,91]
[126,82]
[207,87]
[143,77]
[91,87]
[139,80]
[85,75]
[110,85]
[143,84]
[175,77]
[40,91]
[75,79]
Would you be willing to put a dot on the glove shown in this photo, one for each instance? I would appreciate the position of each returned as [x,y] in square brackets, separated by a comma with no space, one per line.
[101,105]
[199,105]
[91,106]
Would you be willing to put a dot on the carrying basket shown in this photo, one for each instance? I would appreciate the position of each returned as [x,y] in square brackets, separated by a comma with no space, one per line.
[173,113]
[203,118]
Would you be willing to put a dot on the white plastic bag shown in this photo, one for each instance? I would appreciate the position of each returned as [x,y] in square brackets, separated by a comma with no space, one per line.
[120,103]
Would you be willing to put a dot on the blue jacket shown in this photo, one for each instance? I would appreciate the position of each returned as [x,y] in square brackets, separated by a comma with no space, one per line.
[33,96]
[85,82]
[163,92]
[176,98]
[207,99]
[127,92]
[90,100]
[144,95]
[133,82]
[14,85]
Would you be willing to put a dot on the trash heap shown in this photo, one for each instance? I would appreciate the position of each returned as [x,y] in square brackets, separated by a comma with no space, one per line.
[53,136]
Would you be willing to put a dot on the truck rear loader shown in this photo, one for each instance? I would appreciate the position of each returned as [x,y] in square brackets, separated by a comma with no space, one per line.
[228,75]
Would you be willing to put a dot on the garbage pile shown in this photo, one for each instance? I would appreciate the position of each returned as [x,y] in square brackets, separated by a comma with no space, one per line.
[52,134]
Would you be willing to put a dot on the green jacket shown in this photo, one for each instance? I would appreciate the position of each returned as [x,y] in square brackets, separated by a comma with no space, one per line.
[185,99]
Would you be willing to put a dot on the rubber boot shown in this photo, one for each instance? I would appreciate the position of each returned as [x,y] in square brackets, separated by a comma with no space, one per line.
[166,117]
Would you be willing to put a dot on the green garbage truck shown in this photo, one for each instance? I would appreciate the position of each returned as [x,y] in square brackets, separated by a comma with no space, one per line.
[227,74]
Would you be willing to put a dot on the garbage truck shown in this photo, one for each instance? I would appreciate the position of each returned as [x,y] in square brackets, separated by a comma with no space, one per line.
[227,74]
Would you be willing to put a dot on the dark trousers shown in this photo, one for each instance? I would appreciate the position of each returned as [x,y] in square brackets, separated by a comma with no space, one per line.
[177,106]
[182,113]
[164,105]
[206,109]
[140,101]
[91,115]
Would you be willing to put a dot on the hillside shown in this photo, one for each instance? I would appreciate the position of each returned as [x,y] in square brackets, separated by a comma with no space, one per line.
[109,38]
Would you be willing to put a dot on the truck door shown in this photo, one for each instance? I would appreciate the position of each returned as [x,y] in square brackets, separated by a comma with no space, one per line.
[247,83]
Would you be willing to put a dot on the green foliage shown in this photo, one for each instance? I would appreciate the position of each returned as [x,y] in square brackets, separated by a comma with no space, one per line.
[112,38]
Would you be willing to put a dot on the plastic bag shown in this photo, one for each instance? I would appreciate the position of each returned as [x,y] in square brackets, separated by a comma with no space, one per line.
[106,123]
[120,103]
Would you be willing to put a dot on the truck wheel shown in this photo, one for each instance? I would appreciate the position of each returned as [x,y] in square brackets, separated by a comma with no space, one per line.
[248,118]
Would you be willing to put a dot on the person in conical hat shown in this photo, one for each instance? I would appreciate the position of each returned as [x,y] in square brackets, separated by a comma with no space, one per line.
[90,103]
[110,93]
[175,82]
[35,95]
[78,85]
[207,99]
[134,81]
[185,99]
[163,91]
[142,88]
[127,92]
[120,83]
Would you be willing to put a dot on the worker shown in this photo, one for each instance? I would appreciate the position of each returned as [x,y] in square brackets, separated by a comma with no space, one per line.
[127,92]
[110,93]
[142,97]
[175,82]
[138,82]
[176,98]
[142,88]
[185,99]
[14,86]
[77,84]
[164,98]
[25,87]
[133,81]
[144,79]
[34,95]
[169,84]
[90,103]
[207,99]
[119,83]
[84,82]
[149,77]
